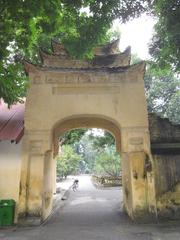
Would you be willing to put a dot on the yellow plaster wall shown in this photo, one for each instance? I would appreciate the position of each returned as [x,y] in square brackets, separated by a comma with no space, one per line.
[122,101]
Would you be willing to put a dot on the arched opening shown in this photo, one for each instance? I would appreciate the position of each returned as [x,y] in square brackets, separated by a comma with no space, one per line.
[86,121]
[61,127]
[89,151]
[89,122]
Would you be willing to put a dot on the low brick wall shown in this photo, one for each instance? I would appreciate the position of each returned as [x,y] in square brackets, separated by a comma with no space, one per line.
[107,181]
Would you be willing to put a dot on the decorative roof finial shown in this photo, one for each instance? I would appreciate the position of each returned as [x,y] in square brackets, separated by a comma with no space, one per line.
[109,48]
[58,48]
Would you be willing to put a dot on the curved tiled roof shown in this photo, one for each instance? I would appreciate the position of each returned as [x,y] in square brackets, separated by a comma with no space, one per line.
[11,122]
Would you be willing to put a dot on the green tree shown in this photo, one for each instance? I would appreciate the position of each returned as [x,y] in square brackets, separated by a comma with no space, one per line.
[162,88]
[23,25]
[13,82]
[102,141]
[73,136]
[165,46]
[163,93]
[98,147]
[88,153]
[108,162]
[90,149]
[67,161]
[79,25]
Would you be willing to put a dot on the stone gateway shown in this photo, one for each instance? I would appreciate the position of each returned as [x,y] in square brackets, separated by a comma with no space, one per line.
[105,92]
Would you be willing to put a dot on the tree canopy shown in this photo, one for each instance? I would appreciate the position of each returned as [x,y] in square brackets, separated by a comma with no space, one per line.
[80,25]
[165,45]
[96,151]
[73,136]
[67,161]
[163,92]
[108,162]
[101,142]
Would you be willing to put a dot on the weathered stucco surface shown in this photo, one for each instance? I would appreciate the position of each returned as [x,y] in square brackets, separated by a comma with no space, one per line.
[165,146]
[66,94]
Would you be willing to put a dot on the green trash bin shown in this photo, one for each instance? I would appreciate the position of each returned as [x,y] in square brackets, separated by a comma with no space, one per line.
[7,208]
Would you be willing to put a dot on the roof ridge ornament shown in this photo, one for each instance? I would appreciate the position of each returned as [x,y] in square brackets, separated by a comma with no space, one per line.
[105,49]
[127,50]
[114,58]
[118,59]
[140,67]
[59,49]
[108,48]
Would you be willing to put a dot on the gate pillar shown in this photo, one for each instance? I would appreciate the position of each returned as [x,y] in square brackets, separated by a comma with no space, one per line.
[138,175]
[36,186]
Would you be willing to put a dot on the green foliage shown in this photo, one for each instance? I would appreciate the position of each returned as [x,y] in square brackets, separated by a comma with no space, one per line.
[163,93]
[162,88]
[67,161]
[108,162]
[101,142]
[165,46]
[73,136]
[88,153]
[99,155]
[80,26]
[135,59]
[26,25]
[92,149]
[12,76]
[113,34]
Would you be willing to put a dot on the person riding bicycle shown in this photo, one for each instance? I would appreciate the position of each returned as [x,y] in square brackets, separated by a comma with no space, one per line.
[75,185]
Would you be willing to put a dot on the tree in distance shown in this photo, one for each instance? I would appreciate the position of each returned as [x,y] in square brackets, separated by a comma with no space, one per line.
[67,161]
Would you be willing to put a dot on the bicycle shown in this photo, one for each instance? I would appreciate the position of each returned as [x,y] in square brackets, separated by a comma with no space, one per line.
[75,185]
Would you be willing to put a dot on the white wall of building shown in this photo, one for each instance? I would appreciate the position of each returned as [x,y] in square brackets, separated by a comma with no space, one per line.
[10,169]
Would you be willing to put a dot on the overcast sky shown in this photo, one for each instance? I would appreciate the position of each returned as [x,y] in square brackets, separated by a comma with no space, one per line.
[137,34]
